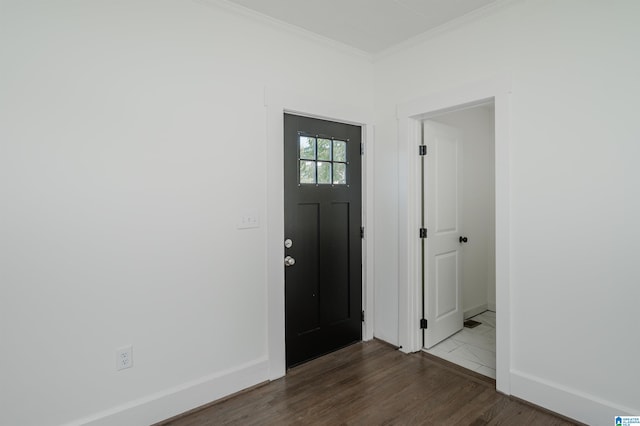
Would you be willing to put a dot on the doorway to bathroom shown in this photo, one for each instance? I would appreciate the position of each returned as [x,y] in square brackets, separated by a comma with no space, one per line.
[458,249]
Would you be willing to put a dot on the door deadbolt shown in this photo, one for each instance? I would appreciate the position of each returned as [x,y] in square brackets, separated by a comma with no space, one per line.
[288,243]
[463,239]
[289,261]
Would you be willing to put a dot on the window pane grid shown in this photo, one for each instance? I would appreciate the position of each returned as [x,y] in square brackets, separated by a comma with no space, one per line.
[322,160]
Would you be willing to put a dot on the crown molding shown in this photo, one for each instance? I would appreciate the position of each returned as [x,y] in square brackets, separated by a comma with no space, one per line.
[448,26]
[285,26]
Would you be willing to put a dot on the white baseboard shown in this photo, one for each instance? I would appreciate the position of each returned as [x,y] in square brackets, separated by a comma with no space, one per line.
[568,402]
[491,307]
[163,405]
[472,312]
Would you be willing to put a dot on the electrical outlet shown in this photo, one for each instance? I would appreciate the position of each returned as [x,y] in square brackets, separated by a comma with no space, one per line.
[124,357]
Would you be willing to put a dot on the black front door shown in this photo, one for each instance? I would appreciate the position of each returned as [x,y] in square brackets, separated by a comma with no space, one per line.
[322,217]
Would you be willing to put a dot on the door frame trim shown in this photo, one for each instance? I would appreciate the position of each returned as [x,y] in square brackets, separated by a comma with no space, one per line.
[277,103]
[410,115]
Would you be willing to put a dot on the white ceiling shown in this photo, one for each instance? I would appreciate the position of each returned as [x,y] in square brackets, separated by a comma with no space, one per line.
[369,25]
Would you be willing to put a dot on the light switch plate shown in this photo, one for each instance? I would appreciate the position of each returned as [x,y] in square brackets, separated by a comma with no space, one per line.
[248,220]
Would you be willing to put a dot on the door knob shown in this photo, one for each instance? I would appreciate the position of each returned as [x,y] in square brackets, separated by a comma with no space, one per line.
[289,261]
[463,239]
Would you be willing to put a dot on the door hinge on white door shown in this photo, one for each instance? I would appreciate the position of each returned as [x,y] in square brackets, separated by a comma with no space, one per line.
[422,150]
[423,232]
[362,232]
[423,324]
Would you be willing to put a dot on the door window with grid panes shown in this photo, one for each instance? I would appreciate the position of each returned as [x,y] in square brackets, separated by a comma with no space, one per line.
[322,160]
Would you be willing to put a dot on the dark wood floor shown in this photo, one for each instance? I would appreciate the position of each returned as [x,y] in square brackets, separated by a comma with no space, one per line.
[372,384]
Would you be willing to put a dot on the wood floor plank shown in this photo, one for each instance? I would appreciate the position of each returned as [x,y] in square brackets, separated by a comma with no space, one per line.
[372,384]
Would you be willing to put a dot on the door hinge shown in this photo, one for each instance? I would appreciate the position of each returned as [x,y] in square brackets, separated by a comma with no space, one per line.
[362,232]
[422,150]
[362,316]
[423,232]
[423,323]
[361,148]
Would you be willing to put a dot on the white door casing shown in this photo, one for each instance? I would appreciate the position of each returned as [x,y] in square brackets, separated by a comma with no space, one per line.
[278,102]
[443,257]
[410,116]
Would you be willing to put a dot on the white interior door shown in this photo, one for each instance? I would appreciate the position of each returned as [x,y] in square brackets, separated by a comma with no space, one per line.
[443,196]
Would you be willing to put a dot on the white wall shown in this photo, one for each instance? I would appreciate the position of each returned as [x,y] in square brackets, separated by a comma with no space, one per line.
[121,122]
[132,136]
[477,133]
[574,144]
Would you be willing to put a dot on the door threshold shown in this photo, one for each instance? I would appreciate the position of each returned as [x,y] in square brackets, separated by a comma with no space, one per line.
[457,368]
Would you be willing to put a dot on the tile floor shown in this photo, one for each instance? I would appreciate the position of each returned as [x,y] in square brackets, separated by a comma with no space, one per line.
[472,348]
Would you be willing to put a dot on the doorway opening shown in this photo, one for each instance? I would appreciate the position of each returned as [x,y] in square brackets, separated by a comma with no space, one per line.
[411,116]
[323,218]
[279,102]
[458,209]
